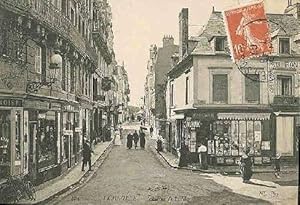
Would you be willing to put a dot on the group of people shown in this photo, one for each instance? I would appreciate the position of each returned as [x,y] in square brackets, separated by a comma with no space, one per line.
[135,137]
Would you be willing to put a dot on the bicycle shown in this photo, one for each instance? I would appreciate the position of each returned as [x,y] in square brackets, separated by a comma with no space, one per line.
[17,188]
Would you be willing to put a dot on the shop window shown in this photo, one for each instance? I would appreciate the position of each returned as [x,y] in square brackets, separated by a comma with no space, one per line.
[220,44]
[252,88]
[284,46]
[231,138]
[47,140]
[220,88]
[18,138]
[4,143]
[284,85]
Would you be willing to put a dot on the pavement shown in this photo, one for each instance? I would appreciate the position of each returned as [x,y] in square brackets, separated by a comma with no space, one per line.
[68,180]
[173,162]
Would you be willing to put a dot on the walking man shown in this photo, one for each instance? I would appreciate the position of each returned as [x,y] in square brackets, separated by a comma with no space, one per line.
[151,131]
[202,150]
[87,152]
[135,139]
[142,139]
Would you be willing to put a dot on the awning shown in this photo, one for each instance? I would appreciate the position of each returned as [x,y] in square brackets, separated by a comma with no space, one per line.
[177,117]
[243,116]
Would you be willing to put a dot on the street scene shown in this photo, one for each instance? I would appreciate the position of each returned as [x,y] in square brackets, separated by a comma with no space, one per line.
[149,102]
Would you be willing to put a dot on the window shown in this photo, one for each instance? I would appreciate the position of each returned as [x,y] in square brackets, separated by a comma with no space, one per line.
[220,88]
[220,44]
[252,88]
[172,95]
[284,85]
[38,59]
[186,90]
[284,46]
[73,16]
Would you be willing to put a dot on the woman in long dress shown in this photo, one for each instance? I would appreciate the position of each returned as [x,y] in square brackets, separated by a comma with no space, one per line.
[246,166]
[129,141]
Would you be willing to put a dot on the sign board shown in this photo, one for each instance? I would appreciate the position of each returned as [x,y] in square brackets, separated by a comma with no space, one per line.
[11,103]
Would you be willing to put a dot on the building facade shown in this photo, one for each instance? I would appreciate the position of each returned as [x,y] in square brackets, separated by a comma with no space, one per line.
[45,113]
[229,106]
[159,65]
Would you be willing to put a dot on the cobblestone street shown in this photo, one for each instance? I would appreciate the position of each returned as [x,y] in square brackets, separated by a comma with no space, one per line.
[139,177]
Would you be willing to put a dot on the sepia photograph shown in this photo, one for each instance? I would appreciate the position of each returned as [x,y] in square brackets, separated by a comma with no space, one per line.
[149,102]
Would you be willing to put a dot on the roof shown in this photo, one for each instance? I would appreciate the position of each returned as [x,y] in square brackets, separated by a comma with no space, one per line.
[284,22]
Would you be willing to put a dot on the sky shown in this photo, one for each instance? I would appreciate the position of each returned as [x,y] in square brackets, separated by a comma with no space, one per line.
[137,24]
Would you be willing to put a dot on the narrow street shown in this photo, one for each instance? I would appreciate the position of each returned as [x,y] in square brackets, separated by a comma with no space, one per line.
[139,177]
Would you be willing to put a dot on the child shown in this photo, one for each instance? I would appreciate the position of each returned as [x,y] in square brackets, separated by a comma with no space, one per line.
[277,165]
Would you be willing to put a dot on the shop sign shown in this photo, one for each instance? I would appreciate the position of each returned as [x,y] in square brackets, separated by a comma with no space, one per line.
[11,103]
[203,116]
[229,161]
[68,132]
[69,108]
[77,129]
[193,124]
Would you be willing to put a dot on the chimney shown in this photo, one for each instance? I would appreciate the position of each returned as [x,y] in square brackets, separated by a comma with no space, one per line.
[183,32]
[293,7]
[168,40]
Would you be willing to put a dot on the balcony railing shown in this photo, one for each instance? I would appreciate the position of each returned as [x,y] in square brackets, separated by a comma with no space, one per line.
[52,17]
[286,100]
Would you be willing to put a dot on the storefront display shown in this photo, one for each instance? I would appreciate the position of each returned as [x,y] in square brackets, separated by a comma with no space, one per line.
[4,143]
[47,140]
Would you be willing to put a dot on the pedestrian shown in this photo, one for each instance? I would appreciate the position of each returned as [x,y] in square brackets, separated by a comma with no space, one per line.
[183,158]
[129,140]
[202,151]
[142,139]
[87,152]
[246,166]
[151,131]
[135,139]
[277,165]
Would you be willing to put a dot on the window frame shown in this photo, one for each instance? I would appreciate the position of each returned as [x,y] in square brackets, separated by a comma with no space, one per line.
[212,88]
[187,87]
[281,77]
[245,89]
[223,39]
[280,39]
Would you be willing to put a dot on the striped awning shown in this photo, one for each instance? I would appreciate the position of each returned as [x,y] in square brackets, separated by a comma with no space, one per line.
[243,116]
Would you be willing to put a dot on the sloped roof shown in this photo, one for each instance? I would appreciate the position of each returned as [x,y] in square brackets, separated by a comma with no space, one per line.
[286,23]
[203,47]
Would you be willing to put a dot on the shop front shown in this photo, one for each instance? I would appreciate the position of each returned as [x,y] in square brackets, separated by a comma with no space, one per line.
[12,139]
[42,139]
[227,135]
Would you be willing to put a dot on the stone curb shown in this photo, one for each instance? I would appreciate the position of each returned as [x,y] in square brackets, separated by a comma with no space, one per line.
[87,175]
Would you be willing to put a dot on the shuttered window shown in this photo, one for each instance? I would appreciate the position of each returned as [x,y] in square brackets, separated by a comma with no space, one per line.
[252,88]
[220,88]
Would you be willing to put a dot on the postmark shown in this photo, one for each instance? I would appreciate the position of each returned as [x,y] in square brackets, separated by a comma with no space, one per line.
[248,31]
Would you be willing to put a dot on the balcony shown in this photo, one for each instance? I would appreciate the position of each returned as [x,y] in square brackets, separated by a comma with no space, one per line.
[281,100]
[100,38]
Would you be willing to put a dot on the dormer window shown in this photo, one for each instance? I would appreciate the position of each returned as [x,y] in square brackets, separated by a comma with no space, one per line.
[284,46]
[220,44]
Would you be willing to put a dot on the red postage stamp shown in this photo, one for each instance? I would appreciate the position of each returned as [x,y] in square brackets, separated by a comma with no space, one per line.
[248,31]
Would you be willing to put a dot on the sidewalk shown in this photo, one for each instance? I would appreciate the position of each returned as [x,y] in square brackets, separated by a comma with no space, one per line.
[61,184]
[173,162]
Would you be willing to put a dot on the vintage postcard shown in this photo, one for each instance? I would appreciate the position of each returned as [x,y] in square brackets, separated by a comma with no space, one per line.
[139,102]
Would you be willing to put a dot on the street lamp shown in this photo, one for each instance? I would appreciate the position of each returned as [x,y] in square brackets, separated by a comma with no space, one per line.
[54,67]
